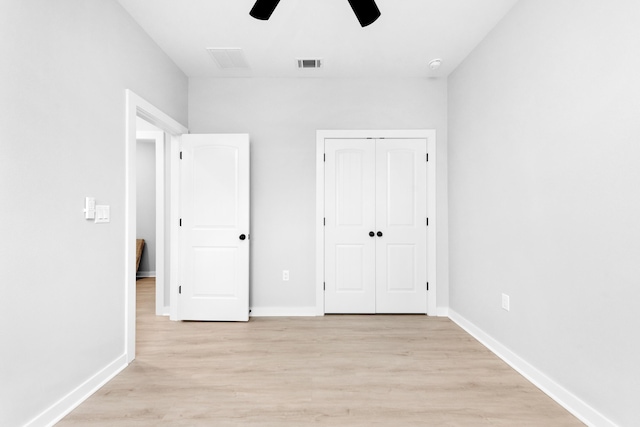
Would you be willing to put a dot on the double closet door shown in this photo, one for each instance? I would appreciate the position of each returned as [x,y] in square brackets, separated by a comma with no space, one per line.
[375,226]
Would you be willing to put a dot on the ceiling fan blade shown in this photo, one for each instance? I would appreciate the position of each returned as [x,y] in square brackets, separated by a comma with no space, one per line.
[366,11]
[263,9]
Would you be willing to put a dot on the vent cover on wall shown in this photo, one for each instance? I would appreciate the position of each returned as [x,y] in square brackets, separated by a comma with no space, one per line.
[309,63]
[228,58]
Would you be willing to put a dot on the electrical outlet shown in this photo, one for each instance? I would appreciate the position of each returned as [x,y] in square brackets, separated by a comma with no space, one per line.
[505,302]
[285,275]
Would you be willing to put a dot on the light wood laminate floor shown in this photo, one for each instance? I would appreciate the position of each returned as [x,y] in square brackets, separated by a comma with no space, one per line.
[330,371]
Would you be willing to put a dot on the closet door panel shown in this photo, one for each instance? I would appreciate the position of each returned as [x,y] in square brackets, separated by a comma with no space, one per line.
[401,215]
[349,218]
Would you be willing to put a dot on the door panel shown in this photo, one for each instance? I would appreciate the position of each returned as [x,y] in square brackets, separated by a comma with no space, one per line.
[350,268]
[214,272]
[401,191]
[216,186]
[401,214]
[214,275]
[350,176]
[349,217]
[401,268]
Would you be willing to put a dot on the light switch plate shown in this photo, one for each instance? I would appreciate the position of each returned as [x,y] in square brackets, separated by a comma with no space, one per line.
[102,214]
[505,302]
[89,207]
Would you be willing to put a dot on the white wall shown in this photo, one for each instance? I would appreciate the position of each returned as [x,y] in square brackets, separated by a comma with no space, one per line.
[146,204]
[282,116]
[64,69]
[544,143]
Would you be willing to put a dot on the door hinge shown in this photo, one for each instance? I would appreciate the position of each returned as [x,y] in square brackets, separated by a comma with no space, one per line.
[180,222]
[427,285]
[181,155]
[324,286]
[325,157]
[427,157]
[427,222]
[324,221]
[179,289]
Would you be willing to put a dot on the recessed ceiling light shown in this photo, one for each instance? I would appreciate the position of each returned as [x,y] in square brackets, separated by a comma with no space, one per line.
[434,64]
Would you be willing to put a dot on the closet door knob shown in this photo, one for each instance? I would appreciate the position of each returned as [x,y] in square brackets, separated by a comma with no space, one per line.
[242,237]
[371,233]
[379,233]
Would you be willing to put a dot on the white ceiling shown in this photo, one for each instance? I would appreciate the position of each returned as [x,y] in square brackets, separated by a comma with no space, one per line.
[400,43]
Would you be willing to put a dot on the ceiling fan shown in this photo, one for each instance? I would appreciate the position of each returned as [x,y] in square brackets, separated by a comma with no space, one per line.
[366,10]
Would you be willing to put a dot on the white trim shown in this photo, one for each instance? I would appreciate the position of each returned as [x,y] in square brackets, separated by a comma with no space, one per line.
[174,153]
[320,136]
[283,311]
[442,312]
[432,253]
[161,225]
[72,400]
[557,392]
[142,274]
[430,136]
[137,107]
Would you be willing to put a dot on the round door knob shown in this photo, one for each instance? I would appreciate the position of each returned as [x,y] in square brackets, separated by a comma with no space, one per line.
[379,233]
[242,237]
[371,233]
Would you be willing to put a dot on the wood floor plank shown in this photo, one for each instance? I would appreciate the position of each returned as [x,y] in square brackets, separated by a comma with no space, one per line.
[329,371]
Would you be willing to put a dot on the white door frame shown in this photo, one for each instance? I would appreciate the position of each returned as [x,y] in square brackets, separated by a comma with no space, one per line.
[157,137]
[139,107]
[430,136]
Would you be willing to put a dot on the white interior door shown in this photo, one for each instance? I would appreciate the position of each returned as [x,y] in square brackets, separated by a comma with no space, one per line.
[401,226]
[350,217]
[214,232]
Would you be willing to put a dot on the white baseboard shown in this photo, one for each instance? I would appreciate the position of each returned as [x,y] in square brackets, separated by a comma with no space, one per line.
[442,311]
[68,403]
[557,392]
[140,274]
[309,312]
[283,311]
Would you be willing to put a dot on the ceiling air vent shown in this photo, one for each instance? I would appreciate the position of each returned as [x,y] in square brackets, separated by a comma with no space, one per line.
[309,63]
[228,58]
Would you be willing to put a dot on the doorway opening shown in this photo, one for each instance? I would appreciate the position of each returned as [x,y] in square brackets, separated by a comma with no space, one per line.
[138,108]
[152,202]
